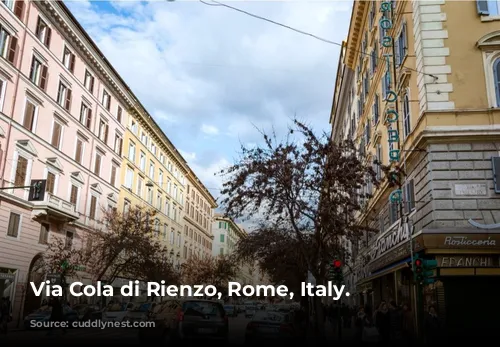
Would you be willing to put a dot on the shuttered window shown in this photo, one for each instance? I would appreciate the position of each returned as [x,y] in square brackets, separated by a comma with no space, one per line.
[51,183]
[97,163]
[79,151]
[56,135]
[43,32]
[73,197]
[14,223]
[29,116]
[21,172]
[44,233]
[93,207]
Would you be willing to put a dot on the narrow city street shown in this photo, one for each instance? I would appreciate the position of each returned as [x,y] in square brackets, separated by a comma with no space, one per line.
[122,336]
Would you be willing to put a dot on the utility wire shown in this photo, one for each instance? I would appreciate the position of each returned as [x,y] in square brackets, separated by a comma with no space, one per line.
[219,4]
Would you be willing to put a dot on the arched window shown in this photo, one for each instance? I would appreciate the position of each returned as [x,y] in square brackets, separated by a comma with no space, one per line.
[406,114]
[496,79]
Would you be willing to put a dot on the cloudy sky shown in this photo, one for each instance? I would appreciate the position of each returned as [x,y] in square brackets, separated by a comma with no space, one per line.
[210,75]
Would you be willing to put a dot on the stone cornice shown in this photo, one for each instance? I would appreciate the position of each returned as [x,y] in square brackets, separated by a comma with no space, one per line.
[355,32]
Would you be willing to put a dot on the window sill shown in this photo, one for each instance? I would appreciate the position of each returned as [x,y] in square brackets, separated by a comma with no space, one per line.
[490,18]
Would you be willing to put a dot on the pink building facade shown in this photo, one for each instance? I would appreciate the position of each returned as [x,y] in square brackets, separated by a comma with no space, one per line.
[63,111]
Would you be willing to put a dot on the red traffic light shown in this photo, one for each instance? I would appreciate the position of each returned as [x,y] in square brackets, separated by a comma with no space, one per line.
[337,263]
[418,262]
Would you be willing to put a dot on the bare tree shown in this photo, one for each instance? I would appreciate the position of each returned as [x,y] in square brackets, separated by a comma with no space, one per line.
[304,186]
[216,271]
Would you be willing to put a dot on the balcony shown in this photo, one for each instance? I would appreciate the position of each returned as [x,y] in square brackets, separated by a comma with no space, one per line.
[56,208]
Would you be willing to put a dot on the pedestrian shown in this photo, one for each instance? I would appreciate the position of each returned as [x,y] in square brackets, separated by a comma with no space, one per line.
[383,322]
[358,323]
[56,316]
[432,327]
[5,315]
[369,333]
[396,322]
[407,326]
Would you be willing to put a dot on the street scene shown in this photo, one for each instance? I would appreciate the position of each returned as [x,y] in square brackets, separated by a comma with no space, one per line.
[342,156]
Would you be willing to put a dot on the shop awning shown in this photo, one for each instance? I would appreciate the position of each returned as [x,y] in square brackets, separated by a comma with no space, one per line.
[388,269]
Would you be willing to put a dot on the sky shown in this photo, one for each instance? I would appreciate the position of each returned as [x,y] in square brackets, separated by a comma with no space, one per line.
[211,77]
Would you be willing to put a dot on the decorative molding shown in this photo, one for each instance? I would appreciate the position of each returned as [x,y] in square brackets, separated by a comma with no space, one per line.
[96,187]
[77,176]
[10,28]
[60,118]
[27,146]
[484,226]
[40,56]
[32,95]
[55,163]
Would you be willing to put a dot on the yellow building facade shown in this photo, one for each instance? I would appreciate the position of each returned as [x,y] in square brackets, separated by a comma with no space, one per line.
[417,89]
[154,175]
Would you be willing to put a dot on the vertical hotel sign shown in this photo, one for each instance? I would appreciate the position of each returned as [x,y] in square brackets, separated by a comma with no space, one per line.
[391,96]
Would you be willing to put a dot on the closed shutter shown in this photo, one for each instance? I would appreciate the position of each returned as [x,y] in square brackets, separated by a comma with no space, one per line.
[44,76]
[93,207]
[29,116]
[19,9]
[482,8]
[14,221]
[496,173]
[67,102]
[51,182]
[74,195]
[56,135]
[79,151]
[21,172]
[12,53]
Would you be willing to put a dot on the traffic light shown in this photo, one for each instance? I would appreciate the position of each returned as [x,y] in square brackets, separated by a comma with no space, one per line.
[338,276]
[37,190]
[424,270]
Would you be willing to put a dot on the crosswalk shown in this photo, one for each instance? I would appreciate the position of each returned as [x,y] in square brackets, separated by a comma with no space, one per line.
[73,336]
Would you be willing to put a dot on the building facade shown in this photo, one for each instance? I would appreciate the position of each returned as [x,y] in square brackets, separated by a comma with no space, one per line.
[67,117]
[417,90]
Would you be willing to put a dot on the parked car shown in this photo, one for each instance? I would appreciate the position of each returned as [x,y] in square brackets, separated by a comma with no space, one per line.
[250,311]
[88,312]
[231,310]
[184,320]
[270,326]
[116,312]
[43,315]
[139,312]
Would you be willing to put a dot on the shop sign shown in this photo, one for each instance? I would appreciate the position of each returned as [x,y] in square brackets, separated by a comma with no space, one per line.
[465,241]
[471,189]
[467,261]
[391,240]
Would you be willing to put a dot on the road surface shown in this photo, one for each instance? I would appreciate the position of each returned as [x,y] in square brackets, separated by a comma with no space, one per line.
[88,336]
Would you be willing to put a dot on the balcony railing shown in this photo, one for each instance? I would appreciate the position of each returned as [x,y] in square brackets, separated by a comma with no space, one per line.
[56,207]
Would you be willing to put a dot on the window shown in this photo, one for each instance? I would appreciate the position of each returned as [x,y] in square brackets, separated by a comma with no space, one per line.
[376,109]
[30,115]
[393,213]
[372,14]
[8,45]
[69,240]
[21,172]
[14,224]
[44,233]
[133,126]
[64,96]
[86,115]
[386,84]
[79,151]
[488,8]
[401,46]
[169,187]
[112,179]
[142,162]
[221,252]
[140,184]
[103,131]
[380,159]
[93,207]
[97,163]
[89,81]
[144,138]
[119,114]
[175,192]
[159,201]
[69,59]
[51,183]
[406,114]
[43,32]
[57,132]
[179,239]
[73,195]
[221,237]
[150,195]
[131,151]
[160,178]
[172,237]
[106,100]
[174,209]
[38,73]
[152,170]
[496,79]
[118,144]
[409,196]
[129,178]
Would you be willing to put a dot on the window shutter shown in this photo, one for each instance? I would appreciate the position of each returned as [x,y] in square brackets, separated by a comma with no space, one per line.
[406,199]
[32,69]
[11,57]
[51,180]
[72,62]
[48,36]
[496,77]
[397,58]
[21,171]
[89,118]
[92,80]
[56,135]
[495,161]
[482,7]
[93,206]
[19,9]
[13,225]
[67,103]
[78,154]
[106,129]
[29,115]
[38,26]
[44,77]
[59,93]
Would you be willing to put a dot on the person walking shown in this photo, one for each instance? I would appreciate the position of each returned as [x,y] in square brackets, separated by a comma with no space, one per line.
[56,316]
[4,315]
[383,322]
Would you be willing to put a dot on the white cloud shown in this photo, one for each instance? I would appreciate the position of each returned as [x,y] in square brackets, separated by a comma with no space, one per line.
[209,129]
[206,70]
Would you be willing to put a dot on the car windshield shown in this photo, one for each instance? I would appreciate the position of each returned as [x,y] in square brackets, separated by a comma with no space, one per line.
[201,308]
[269,317]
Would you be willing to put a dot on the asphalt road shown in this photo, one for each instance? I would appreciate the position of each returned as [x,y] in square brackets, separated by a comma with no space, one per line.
[89,336]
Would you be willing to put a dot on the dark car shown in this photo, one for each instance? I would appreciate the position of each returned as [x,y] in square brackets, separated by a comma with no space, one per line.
[231,310]
[42,316]
[270,326]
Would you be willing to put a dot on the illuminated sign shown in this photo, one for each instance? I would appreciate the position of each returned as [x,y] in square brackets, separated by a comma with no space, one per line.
[391,97]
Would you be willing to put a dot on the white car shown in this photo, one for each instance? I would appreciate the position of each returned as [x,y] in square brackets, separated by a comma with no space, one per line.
[116,312]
